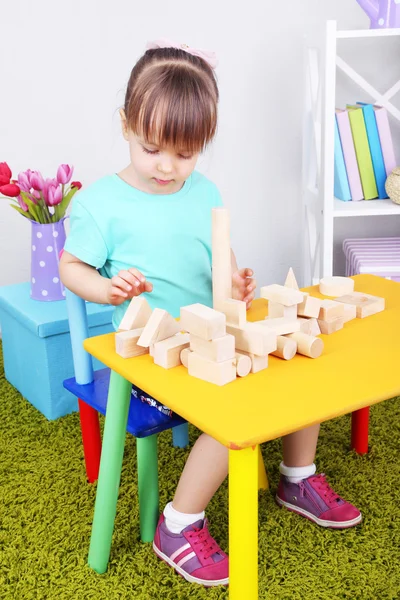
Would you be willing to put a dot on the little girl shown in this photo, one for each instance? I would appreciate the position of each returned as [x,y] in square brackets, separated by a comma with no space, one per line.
[147,230]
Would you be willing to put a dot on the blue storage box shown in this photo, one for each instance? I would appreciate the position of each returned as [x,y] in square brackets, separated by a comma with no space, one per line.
[37,347]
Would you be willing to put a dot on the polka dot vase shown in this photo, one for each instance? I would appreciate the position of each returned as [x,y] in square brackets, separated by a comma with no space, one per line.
[47,242]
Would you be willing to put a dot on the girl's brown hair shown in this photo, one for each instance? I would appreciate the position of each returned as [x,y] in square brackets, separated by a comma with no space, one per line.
[171,100]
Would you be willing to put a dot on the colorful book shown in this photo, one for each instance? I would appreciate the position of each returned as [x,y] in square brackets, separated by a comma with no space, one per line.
[341,183]
[375,147]
[361,145]
[385,137]
[349,154]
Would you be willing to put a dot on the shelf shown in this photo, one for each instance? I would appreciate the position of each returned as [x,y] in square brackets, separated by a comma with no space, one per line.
[367,33]
[365,208]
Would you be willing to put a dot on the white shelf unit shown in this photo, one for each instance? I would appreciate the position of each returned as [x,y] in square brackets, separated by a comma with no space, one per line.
[320,208]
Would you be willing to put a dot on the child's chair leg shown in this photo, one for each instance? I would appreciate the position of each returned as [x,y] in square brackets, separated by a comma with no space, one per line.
[91,439]
[359,430]
[180,436]
[262,474]
[147,465]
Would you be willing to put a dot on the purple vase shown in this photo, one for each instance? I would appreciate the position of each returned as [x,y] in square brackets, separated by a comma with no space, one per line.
[47,241]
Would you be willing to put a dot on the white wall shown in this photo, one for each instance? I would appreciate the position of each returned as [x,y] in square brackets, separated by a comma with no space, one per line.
[63,71]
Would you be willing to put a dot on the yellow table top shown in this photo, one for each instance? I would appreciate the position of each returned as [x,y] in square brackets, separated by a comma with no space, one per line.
[357,368]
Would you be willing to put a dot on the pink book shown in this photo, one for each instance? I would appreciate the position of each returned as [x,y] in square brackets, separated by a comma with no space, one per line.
[385,138]
[349,154]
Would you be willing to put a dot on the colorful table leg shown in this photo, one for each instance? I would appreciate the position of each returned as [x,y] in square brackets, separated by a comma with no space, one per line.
[243,524]
[359,430]
[262,474]
[91,439]
[180,435]
[119,396]
[147,462]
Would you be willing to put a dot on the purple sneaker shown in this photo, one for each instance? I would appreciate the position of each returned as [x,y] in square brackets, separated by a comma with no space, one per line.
[193,553]
[315,499]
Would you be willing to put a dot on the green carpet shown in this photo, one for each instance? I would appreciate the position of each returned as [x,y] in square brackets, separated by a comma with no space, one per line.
[46,509]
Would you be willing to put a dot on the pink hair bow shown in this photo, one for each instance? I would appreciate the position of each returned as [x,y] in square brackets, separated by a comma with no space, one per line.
[207,55]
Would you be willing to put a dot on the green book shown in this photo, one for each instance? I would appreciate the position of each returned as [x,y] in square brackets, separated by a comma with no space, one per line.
[363,153]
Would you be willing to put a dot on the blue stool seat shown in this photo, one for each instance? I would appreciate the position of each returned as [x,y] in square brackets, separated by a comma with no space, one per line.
[143,419]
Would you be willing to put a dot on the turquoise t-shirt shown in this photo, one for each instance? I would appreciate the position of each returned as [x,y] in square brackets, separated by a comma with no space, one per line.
[166,237]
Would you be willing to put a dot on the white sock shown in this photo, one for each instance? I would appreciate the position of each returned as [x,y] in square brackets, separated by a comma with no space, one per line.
[176,521]
[296,474]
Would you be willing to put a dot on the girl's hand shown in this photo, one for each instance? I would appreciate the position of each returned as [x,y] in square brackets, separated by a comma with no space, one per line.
[243,286]
[126,285]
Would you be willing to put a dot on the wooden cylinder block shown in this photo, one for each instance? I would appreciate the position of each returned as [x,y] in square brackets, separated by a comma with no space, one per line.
[286,348]
[243,365]
[308,345]
[336,286]
[184,356]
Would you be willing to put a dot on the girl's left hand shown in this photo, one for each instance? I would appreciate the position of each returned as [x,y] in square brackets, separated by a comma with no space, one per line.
[243,286]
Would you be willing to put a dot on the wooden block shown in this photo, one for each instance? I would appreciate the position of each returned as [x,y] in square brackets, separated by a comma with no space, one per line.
[291,280]
[203,321]
[167,353]
[336,286]
[218,373]
[281,325]
[137,314]
[350,312]
[218,350]
[330,309]
[126,343]
[281,294]
[286,349]
[159,327]
[151,349]
[221,257]
[235,312]
[328,327]
[308,345]
[276,310]
[258,363]
[254,338]
[243,364]
[310,307]
[309,326]
[184,356]
[366,304]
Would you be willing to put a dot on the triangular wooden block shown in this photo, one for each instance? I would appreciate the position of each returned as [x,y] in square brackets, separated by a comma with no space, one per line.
[137,314]
[291,280]
[160,326]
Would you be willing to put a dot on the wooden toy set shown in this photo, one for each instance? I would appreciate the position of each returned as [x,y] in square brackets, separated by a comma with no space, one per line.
[218,344]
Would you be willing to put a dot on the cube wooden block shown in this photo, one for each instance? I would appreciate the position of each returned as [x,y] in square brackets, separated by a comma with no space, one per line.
[276,310]
[126,343]
[258,363]
[328,327]
[280,293]
[309,307]
[281,325]
[202,321]
[254,338]
[218,350]
[159,327]
[137,314]
[218,373]
[167,353]
[235,312]
[330,309]
[366,304]
[350,312]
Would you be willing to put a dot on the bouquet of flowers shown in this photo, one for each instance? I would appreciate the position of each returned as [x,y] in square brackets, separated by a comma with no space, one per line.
[36,198]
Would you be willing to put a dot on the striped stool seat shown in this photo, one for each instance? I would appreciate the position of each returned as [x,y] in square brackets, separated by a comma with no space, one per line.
[376,256]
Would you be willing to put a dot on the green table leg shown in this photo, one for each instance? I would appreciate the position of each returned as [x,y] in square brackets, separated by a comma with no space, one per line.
[147,462]
[119,395]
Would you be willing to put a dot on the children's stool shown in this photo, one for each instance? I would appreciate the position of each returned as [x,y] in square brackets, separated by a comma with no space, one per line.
[376,256]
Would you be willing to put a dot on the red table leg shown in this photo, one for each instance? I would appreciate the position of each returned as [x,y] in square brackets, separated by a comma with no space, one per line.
[359,430]
[91,439]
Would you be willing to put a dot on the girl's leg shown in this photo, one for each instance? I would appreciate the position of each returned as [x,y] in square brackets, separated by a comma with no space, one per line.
[299,447]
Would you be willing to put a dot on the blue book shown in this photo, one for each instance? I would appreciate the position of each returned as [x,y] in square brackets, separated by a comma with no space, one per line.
[341,182]
[374,142]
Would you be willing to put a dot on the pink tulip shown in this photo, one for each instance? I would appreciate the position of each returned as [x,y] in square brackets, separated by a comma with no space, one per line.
[10,189]
[35,194]
[22,204]
[54,195]
[37,181]
[23,182]
[64,173]
[5,173]
[47,184]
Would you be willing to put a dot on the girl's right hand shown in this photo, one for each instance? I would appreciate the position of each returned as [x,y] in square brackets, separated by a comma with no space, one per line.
[126,285]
